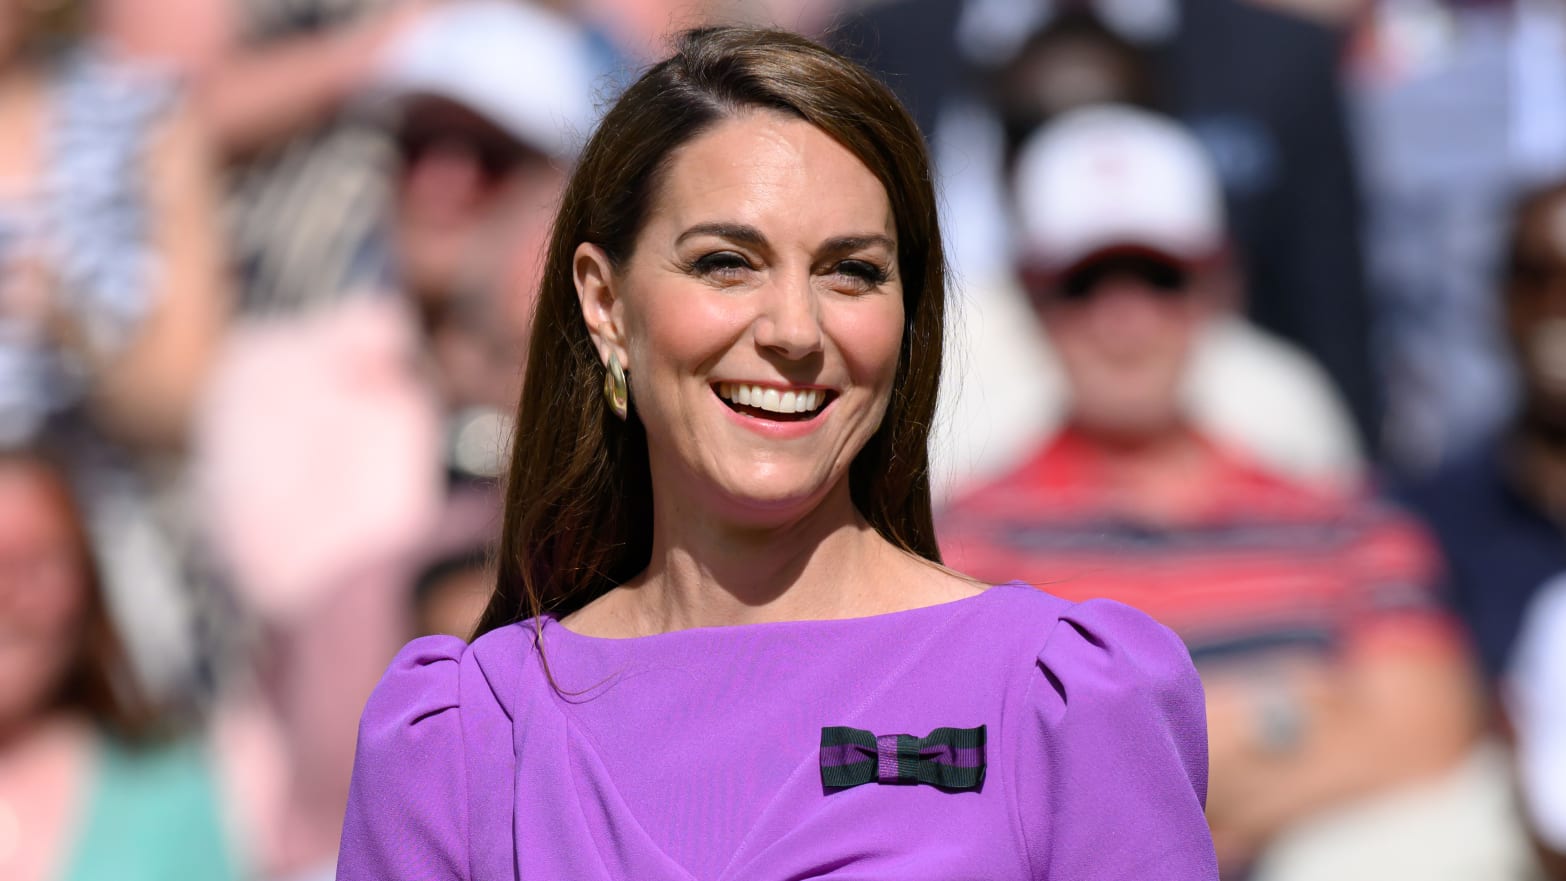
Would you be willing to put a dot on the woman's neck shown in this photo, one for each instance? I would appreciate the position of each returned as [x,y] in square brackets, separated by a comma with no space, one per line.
[707,572]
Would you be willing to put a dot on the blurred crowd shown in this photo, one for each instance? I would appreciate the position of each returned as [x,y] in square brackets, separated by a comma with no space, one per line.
[1259,325]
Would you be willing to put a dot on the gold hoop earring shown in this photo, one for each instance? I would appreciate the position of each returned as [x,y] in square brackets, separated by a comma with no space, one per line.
[616,392]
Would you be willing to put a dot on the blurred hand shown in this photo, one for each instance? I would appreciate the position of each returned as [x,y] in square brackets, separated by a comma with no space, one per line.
[30,294]
[26,289]
[1230,747]
[1248,800]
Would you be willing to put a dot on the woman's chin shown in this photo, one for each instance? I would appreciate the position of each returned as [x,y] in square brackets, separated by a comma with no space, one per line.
[760,504]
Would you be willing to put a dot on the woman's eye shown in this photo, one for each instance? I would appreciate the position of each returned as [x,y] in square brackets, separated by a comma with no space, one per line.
[722,265]
[862,273]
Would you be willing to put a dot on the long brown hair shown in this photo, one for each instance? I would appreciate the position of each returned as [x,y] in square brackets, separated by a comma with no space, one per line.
[100,682]
[578,498]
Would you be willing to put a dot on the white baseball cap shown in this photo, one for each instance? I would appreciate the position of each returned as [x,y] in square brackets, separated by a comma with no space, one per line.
[522,67]
[1110,178]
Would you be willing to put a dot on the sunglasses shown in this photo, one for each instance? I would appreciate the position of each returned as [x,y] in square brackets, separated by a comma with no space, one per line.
[1530,273]
[495,154]
[1156,275]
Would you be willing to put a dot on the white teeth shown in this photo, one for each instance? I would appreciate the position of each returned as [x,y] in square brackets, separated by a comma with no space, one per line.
[770,399]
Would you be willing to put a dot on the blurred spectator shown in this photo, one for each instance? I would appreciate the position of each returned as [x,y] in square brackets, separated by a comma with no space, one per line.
[1262,90]
[91,786]
[112,297]
[1498,509]
[1245,386]
[484,132]
[1459,105]
[272,79]
[451,594]
[1535,691]
[365,437]
[1333,674]
[1260,87]
[636,32]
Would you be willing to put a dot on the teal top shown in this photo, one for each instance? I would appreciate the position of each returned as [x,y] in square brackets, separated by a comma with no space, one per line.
[152,815]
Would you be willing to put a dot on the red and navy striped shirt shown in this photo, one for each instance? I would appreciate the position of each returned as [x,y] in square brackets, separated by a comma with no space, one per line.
[1254,563]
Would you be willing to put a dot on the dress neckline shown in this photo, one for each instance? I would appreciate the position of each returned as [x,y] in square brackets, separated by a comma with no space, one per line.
[553,625]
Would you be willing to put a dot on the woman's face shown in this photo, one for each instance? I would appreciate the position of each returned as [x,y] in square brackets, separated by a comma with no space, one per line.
[42,591]
[18,26]
[759,318]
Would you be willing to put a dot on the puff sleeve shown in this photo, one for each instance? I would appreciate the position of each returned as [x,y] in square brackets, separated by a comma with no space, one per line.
[1120,793]
[407,804]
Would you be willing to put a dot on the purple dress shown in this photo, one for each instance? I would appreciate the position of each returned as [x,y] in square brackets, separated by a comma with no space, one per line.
[698,754]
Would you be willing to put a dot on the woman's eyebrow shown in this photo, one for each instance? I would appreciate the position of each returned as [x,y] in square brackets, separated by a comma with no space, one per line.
[844,244]
[734,232]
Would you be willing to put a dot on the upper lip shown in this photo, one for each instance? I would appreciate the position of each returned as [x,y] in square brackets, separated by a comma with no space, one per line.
[772,384]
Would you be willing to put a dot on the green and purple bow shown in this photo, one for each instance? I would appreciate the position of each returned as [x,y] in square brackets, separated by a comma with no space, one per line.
[951,758]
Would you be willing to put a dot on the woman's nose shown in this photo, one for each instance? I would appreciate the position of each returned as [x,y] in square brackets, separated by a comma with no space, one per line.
[789,322]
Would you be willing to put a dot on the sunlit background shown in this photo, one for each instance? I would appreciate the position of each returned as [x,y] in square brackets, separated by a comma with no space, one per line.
[266,276]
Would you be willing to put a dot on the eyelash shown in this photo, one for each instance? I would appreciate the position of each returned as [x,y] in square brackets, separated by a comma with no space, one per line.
[862,271]
[718,262]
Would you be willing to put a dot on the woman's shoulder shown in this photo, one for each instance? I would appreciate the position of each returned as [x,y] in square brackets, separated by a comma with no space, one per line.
[1092,650]
[434,674]
[1032,610]
[1115,712]
[434,743]
[1113,683]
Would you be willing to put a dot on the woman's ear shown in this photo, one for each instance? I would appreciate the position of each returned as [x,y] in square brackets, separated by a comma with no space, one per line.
[593,275]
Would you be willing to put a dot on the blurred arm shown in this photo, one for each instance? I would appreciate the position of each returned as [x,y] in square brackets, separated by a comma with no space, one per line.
[145,393]
[253,98]
[1372,722]
[319,672]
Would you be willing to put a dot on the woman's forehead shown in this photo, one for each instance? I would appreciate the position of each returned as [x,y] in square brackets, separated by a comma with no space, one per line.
[774,172]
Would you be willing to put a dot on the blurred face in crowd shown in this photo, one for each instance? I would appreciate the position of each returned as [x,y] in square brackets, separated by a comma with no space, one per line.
[453,604]
[1075,62]
[14,17]
[759,316]
[1536,306]
[480,340]
[461,177]
[1123,326]
[43,590]
[21,22]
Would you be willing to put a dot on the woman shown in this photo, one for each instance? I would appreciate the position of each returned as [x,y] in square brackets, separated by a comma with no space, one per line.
[89,788]
[735,610]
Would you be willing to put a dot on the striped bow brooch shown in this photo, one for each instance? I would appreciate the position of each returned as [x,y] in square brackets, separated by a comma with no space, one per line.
[949,758]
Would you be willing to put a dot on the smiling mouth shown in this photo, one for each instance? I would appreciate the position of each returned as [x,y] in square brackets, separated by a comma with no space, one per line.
[761,402]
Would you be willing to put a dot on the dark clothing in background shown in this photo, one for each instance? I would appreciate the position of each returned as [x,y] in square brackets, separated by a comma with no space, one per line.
[912,44]
[1499,545]
[1262,90]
